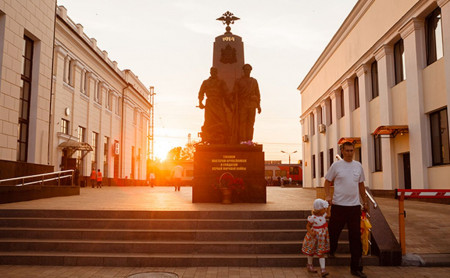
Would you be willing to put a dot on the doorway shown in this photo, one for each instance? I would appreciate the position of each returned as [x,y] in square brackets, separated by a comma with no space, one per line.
[406,170]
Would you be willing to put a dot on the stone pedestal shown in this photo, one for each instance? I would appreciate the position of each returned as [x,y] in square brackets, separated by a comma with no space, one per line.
[242,161]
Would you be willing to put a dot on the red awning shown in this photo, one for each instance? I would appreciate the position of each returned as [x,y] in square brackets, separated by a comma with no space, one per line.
[354,140]
[390,130]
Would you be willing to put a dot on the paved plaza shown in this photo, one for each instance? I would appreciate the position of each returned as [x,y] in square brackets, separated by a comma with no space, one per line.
[426,231]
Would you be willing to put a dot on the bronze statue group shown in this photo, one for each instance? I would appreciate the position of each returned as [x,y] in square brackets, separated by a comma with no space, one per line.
[229,115]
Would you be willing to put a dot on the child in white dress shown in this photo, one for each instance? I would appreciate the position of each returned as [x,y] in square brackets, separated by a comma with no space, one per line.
[317,241]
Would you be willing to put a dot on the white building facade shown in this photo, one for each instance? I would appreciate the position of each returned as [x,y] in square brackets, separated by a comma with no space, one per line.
[26,47]
[95,102]
[383,82]
[63,103]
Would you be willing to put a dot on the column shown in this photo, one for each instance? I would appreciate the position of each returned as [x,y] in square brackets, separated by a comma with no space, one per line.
[366,137]
[311,145]
[385,60]
[302,124]
[445,15]
[323,104]
[317,146]
[347,87]
[414,43]
[334,114]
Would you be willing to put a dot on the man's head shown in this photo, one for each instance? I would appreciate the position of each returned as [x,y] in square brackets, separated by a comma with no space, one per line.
[213,71]
[247,68]
[347,150]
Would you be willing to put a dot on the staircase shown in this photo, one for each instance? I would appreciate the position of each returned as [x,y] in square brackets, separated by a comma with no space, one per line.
[158,238]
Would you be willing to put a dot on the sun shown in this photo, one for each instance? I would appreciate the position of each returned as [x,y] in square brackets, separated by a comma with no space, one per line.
[162,148]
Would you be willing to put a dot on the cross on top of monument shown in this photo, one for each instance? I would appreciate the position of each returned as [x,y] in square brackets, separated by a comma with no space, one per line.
[228,18]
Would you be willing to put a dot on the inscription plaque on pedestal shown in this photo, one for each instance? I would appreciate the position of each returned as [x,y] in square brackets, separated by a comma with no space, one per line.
[241,161]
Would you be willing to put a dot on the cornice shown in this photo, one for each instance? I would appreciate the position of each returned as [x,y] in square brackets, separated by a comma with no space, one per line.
[442,3]
[352,20]
[410,26]
[346,83]
[362,69]
[383,51]
[60,50]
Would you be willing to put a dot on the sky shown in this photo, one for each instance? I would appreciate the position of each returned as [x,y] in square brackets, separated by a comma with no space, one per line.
[168,44]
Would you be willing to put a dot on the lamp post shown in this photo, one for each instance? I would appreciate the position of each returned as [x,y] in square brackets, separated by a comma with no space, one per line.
[289,155]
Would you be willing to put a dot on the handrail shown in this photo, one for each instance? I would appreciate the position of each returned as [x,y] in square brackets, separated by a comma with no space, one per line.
[61,175]
[369,195]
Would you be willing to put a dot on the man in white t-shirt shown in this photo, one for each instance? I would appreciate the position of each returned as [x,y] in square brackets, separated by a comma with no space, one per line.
[349,192]
[177,174]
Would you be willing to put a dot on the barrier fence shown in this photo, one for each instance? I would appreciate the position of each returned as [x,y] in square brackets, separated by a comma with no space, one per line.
[402,194]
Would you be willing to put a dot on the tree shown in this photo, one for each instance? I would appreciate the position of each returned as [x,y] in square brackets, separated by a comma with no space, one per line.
[182,153]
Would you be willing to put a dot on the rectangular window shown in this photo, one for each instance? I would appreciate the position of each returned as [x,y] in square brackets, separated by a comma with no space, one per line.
[319,115]
[356,91]
[86,83]
[377,150]
[321,164]
[80,154]
[118,105]
[374,79]
[105,156]
[268,173]
[293,170]
[94,150]
[399,62]
[280,173]
[314,166]
[341,102]
[24,102]
[433,35]
[331,156]
[440,137]
[313,128]
[330,111]
[133,163]
[64,126]
[71,73]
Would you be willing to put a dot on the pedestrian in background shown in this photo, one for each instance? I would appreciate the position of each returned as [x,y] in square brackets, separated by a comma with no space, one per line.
[93,178]
[99,179]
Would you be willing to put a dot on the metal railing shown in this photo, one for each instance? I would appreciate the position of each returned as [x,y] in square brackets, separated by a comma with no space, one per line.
[39,179]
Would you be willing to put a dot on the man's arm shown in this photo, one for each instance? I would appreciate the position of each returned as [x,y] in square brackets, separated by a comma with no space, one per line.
[327,186]
[362,193]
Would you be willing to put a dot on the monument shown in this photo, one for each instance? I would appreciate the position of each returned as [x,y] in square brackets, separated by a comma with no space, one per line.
[228,166]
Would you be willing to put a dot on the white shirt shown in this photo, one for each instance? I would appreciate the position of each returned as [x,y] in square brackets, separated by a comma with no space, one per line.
[177,172]
[346,176]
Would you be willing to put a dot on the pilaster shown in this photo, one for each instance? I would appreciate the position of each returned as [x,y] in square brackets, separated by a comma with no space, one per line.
[414,43]
[317,147]
[323,104]
[385,60]
[347,88]
[335,139]
[445,18]
[366,137]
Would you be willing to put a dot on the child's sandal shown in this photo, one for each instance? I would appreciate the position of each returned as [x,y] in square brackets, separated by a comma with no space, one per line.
[324,272]
[311,268]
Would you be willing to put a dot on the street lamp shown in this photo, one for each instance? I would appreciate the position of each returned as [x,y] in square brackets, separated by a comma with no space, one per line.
[289,155]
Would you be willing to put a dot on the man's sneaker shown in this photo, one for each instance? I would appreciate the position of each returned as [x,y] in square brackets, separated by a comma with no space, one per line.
[358,273]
